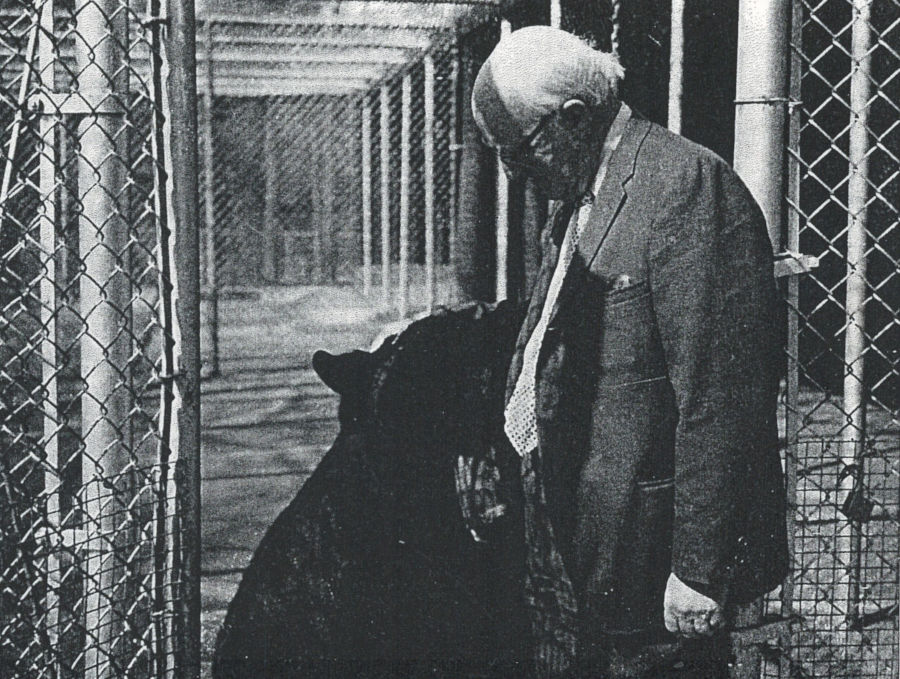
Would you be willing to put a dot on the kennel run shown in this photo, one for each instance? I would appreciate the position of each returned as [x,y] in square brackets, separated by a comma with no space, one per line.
[336,147]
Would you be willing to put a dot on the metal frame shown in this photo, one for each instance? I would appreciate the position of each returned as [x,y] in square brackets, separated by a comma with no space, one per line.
[182,104]
[385,148]
[366,115]
[429,183]
[405,150]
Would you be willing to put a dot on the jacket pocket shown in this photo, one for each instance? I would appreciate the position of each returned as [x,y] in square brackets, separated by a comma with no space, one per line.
[628,346]
[618,296]
[645,556]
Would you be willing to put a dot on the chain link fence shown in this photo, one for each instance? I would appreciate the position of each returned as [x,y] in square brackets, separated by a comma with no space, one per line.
[338,150]
[335,150]
[306,118]
[329,152]
[90,575]
[841,407]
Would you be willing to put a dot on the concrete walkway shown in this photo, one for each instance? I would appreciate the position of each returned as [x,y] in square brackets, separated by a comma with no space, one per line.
[267,421]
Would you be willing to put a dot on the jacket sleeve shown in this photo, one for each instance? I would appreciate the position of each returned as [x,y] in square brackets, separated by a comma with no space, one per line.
[715,304]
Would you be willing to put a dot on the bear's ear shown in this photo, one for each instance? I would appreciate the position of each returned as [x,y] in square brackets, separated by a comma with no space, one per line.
[344,372]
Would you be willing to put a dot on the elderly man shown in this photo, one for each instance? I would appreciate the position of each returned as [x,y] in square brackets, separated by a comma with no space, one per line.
[641,398]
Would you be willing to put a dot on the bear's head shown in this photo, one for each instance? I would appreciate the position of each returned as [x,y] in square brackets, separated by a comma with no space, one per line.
[436,388]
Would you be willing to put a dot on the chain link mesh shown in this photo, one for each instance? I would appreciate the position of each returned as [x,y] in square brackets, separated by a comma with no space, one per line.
[295,106]
[287,178]
[86,498]
[841,408]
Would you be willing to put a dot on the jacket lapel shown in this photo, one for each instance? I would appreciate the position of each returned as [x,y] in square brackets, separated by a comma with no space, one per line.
[610,199]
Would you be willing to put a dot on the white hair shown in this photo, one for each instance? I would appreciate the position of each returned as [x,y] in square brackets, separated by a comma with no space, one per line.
[537,68]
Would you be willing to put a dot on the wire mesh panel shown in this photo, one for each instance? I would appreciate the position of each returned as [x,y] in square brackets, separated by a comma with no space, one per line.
[841,408]
[89,581]
[286,146]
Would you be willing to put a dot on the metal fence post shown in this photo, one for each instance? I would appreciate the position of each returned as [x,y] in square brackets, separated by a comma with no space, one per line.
[792,378]
[104,347]
[43,35]
[502,215]
[271,173]
[853,444]
[385,149]
[429,182]
[210,298]
[405,104]
[321,213]
[455,150]
[760,125]
[555,13]
[367,195]
[676,66]
[761,105]
[180,88]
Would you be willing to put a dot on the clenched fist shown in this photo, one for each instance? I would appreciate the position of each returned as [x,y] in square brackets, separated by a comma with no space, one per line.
[689,613]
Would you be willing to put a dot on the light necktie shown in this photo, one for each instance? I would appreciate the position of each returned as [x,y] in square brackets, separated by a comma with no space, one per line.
[520,414]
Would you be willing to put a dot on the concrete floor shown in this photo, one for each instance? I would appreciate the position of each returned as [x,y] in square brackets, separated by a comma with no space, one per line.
[267,421]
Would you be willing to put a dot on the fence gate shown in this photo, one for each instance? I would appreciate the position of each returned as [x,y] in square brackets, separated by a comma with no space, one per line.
[841,407]
[97,403]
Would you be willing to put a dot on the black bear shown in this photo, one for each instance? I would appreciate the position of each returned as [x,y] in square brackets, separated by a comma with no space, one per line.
[371,570]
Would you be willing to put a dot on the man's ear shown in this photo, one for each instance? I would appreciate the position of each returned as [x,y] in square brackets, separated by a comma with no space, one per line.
[573,113]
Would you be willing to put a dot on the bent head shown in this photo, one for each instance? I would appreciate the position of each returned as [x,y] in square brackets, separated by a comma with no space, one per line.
[544,99]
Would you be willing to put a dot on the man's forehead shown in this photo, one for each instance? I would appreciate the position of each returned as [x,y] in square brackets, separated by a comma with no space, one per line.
[492,113]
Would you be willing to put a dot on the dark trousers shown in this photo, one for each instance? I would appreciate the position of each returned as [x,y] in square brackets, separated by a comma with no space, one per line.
[661,656]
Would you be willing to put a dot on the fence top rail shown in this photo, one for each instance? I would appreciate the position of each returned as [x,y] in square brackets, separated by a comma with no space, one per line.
[285,86]
[377,13]
[328,55]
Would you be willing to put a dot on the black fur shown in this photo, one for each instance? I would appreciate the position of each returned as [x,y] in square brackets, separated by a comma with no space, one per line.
[370,571]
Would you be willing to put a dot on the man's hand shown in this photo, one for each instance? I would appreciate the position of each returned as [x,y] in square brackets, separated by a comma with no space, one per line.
[689,613]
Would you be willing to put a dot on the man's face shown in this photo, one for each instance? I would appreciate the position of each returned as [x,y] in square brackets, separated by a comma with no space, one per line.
[551,155]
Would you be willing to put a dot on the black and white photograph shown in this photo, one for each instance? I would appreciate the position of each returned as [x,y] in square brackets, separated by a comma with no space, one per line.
[450,339]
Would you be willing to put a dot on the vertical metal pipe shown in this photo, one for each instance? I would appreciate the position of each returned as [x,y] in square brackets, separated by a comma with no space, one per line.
[385,196]
[366,114]
[405,104]
[429,182]
[676,66]
[320,213]
[759,152]
[209,315]
[63,272]
[166,639]
[792,382]
[181,136]
[616,27]
[104,347]
[271,172]
[853,443]
[761,105]
[49,283]
[455,149]
[502,215]
[555,13]
[327,224]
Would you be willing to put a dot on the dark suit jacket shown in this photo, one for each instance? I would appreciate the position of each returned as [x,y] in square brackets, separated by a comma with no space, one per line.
[656,388]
